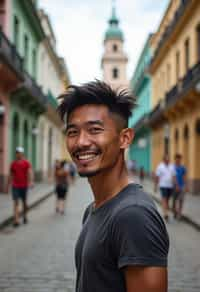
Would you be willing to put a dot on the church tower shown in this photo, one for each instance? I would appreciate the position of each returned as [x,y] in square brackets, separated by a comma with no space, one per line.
[114,60]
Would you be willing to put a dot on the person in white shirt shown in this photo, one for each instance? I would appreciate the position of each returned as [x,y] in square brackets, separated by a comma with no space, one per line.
[165,177]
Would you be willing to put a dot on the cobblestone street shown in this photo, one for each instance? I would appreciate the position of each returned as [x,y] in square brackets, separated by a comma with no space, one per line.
[39,256]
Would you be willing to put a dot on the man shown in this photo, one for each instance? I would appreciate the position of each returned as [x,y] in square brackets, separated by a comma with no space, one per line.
[21,177]
[180,187]
[166,178]
[123,244]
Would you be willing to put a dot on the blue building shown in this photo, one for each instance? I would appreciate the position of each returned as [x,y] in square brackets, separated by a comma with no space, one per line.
[140,150]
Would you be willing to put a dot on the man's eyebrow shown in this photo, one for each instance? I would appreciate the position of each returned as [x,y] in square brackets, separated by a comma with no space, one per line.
[94,122]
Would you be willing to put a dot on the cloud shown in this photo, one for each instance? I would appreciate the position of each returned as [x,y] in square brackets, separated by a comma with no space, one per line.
[80,26]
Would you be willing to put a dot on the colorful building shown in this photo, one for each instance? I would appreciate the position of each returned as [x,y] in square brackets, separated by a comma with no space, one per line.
[11,68]
[27,102]
[50,124]
[140,84]
[114,60]
[175,70]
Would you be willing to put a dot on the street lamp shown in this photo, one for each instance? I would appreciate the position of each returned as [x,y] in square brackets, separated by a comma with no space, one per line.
[197,87]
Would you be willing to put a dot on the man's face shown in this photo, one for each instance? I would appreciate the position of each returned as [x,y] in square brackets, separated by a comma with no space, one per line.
[178,160]
[19,155]
[93,139]
[166,159]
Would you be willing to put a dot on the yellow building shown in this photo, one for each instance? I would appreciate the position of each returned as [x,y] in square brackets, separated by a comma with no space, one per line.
[175,71]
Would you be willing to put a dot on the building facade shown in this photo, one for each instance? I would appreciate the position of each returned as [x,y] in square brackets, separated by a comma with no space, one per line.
[114,60]
[50,124]
[11,77]
[28,115]
[175,70]
[140,84]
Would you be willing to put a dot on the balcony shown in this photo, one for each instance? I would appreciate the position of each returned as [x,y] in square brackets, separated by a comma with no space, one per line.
[188,83]
[10,57]
[157,114]
[30,95]
[142,122]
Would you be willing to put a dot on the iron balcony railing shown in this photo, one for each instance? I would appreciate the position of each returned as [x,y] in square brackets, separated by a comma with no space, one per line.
[34,90]
[9,54]
[189,81]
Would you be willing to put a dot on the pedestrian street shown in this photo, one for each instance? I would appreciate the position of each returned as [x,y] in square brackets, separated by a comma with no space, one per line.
[39,256]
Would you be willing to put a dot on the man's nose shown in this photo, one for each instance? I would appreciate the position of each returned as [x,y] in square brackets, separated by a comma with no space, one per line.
[83,139]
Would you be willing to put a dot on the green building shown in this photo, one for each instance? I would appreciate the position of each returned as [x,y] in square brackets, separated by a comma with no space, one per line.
[140,150]
[27,102]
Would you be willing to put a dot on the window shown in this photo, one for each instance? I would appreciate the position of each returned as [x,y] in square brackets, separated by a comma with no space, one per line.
[115,48]
[34,63]
[115,73]
[177,65]
[187,54]
[198,42]
[16,32]
[168,76]
[26,51]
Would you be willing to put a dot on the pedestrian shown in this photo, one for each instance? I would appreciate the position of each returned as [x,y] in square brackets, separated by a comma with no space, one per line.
[21,178]
[72,170]
[166,178]
[62,185]
[141,174]
[180,187]
[123,244]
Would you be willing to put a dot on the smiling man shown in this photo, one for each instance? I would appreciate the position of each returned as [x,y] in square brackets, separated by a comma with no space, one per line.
[123,245]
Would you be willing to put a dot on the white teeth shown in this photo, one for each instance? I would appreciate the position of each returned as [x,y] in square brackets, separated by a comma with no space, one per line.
[86,156]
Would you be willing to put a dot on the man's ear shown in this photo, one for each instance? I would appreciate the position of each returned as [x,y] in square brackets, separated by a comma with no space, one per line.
[126,138]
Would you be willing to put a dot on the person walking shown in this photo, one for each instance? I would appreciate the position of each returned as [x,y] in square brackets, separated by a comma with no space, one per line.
[180,187]
[166,178]
[123,244]
[62,185]
[21,178]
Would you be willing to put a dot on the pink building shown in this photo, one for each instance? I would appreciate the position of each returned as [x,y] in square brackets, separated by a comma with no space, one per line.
[11,76]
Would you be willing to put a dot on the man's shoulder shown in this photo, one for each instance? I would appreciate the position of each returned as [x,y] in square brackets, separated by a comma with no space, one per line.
[135,198]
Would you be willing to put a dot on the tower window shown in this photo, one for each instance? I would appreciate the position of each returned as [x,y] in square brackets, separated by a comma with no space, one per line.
[115,48]
[115,73]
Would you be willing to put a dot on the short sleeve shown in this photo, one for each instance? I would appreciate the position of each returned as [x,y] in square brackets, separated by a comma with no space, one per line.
[158,171]
[140,238]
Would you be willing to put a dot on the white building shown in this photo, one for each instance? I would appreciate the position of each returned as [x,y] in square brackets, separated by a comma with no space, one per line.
[52,76]
[114,60]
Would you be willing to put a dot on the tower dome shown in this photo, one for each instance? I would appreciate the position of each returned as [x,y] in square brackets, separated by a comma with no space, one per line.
[113,31]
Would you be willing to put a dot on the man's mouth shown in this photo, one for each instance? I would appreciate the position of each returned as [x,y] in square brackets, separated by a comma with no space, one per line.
[86,156]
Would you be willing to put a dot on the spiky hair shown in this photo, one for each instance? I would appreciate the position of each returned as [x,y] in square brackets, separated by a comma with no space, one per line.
[99,93]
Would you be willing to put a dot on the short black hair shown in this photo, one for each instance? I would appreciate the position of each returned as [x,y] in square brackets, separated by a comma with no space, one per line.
[99,93]
[178,156]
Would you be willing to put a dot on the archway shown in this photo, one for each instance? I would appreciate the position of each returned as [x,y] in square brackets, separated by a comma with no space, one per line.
[49,157]
[25,138]
[186,146]
[15,134]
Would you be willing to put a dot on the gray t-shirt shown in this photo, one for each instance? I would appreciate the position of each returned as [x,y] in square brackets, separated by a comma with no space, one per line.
[126,231]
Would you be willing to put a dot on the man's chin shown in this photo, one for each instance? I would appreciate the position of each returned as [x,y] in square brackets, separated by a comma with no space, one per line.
[88,173]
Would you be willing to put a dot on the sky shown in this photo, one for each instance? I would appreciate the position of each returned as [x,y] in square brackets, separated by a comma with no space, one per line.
[80,25]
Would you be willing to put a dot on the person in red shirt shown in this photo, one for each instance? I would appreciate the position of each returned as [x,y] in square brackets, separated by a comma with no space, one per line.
[20,177]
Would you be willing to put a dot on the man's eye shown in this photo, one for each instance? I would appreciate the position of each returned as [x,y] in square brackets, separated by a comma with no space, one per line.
[71,133]
[95,130]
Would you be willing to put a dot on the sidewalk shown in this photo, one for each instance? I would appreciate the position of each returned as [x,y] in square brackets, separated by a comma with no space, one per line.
[191,209]
[37,194]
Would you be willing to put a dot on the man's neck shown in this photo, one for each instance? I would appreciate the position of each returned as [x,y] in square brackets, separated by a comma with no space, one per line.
[107,185]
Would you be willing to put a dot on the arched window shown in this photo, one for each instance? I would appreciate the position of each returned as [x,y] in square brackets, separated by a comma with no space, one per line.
[198,41]
[25,134]
[115,48]
[186,132]
[15,134]
[176,136]
[115,73]
[197,127]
